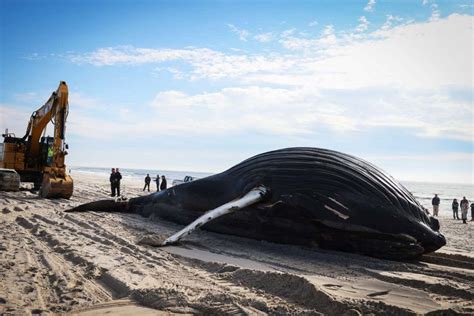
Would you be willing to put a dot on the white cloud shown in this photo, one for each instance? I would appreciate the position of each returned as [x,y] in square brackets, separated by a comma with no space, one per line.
[326,39]
[415,56]
[14,119]
[264,37]
[420,61]
[363,24]
[80,100]
[391,19]
[425,55]
[435,12]
[370,6]
[313,23]
[134,56]
[287,33]
[34,56]
[28,97]
[243,34]
[288,112]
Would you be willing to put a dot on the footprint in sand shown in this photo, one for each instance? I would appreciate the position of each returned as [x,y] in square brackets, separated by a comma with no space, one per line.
[36,311]
[18,209]
[6,210]
[378,293]
[332,286]
[28,289]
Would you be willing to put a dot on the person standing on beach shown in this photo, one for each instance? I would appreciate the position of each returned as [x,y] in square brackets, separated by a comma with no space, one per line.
[163,183]
[118,177]
[455,207]
[435,203]
[147,182]
[472,212]
[157,180]
[464,207]
[112,182]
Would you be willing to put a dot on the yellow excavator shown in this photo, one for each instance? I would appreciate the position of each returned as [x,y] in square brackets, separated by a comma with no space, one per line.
[38,158]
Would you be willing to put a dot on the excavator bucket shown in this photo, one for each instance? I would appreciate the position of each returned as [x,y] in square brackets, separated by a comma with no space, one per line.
[56,187]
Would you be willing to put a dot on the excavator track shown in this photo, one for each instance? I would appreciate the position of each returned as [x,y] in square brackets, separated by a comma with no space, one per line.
[9,180]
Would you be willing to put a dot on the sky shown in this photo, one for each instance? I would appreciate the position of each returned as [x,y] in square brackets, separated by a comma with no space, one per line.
[203,85]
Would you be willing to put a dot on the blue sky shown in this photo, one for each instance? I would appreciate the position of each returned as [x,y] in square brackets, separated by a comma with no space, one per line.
[202,85]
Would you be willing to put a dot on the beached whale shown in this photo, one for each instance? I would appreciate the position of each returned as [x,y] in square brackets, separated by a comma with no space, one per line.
[305,196]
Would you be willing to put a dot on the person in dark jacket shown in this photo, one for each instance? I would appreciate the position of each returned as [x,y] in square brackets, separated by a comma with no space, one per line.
[157,180]
[472,211]
[112,182]
[455,207]
[147,182]
[118,177]
[464,206]
[435,203]
[163,183]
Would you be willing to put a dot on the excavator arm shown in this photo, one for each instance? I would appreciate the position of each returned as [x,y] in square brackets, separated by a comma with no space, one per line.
[56,183]
[55,109]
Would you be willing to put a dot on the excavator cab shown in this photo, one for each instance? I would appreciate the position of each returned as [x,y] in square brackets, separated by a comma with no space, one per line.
[40,159]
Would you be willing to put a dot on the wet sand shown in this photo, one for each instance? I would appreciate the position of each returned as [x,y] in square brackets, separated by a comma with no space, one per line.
[90,263]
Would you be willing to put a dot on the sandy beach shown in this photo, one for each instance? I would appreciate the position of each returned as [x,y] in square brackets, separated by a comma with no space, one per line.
[90,263]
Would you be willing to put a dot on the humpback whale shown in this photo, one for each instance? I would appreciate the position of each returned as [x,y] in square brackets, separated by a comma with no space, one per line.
[302,196]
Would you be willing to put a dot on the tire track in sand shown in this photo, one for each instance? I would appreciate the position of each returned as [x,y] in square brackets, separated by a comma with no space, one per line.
[202,294]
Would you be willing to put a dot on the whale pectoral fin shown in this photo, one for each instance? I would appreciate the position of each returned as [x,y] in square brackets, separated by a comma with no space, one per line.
[253,196]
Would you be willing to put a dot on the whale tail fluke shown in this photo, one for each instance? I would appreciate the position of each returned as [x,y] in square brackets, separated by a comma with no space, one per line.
[116,206]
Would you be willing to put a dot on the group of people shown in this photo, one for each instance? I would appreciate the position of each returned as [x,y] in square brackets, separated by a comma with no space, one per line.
[464,204]
[115,178]
[159,186]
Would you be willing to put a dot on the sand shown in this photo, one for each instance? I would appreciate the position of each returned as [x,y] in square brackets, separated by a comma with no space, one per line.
[90,263]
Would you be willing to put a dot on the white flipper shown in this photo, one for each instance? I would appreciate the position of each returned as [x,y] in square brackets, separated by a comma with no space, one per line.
[254,196]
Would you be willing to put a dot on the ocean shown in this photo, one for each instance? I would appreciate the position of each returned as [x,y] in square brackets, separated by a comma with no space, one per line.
[141,173]
[423,191]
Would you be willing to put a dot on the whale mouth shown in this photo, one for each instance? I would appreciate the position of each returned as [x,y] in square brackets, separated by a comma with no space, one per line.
[435,243]
[374,243]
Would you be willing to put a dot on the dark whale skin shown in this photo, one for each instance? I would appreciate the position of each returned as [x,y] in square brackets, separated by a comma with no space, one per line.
[316,197]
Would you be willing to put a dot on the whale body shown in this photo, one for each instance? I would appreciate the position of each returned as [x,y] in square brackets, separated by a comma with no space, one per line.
[314,197]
